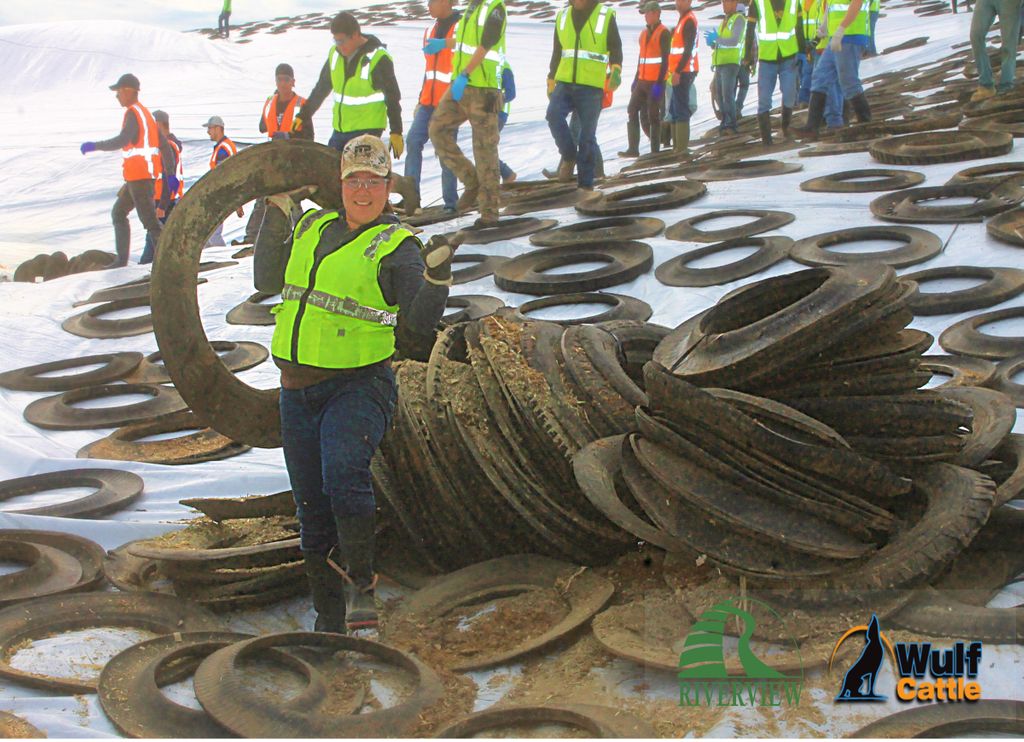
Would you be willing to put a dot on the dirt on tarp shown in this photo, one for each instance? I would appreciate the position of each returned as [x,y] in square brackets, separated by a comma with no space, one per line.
[203,533]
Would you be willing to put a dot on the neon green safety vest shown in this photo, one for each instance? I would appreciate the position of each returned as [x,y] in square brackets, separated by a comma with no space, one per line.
[332,313]
[776,39]
[357,104]
[811,20]
[876,6]
[730,54]
[468,34]
[584,55]
[836,13]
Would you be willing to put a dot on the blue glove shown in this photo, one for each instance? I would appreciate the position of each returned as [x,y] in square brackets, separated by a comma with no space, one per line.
[711,37]
[172,184]
[657,89]
[88,147]
[434,46]
[508,84]
[459,87]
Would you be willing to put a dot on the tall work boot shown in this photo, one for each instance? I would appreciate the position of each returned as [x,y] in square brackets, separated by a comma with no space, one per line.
[861,107]
[681,136]
[666,133]
[327,587]
[787,116]
[815,115]
[565,171]
[633,140]
[353,559]
[764,123]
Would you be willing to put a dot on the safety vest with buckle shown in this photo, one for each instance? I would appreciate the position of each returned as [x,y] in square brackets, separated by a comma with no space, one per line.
[649,65]
[225,145]
[727,54]
[776,37]
[358,106]
[332,312]
[437,77]
[860,25]
[584,53]
[675,54]
[468,35]
[179,173]
[270,114]
[141,156]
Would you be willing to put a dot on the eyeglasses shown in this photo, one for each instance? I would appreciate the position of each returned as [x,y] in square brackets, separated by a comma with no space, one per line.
[364,183]
[285,78]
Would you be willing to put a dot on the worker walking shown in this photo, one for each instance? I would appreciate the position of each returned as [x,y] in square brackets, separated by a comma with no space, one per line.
[170,186]
[437,78]
[474,96]
[747,55]
[223,148]
[727,43]
[648,90]
[139,142]
[874,8]
[814,18]
[223,20]
[778,25]
[683,67]
[586,46]
[354,285]
[361,73]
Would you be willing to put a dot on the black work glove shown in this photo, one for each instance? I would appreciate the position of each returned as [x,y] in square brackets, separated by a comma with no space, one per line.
[437,257]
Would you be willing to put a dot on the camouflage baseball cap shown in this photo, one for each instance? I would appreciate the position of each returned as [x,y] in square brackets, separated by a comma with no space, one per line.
[365,153]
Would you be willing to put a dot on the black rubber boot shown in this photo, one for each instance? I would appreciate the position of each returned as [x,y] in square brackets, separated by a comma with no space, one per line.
[787,116]
[353,556]
[764,124]
[633,140]
[815,116]
[327,587]
[666,133]
[861,107]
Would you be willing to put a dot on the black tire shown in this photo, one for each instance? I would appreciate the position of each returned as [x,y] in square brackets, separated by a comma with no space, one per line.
[863,181]
[995,173]
[622,307]
[745,169]
[765,221]
[638,199]
[950,720]
[90,323]
[596,721]
[999,285]
[1011,122]
[612,228]
[828,149]
[253,311]
[770,250]
[905,205]
[1008,227]
[918,246]
[928,149]
[962,370]
[484,265]
[116,366]
[236,356]
[57,266]
[964,338]
[115,490]
[32,269]
[624,261]
[59,413]
[470,307]
[994,415]
[1003,381]
[506,229]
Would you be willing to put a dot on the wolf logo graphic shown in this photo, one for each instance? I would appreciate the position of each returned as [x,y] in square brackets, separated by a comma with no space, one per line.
[859,683]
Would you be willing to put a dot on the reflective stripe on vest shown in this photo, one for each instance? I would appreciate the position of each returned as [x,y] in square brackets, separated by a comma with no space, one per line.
[860,25]
[224,144]
[357,105]
[141,158]
[332,312]
[468,35]
[776,38]
[584,53]
[438,74]
[649,65]
[675,54]
[179,173]
[812,9]
[728,54]
[270,114]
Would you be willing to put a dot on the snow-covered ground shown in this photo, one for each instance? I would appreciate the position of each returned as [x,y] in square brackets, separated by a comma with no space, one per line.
[52,198]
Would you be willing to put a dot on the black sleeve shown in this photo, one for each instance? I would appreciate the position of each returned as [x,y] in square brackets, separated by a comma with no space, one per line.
[492,28]
[263,123]
[556,57]
[129,133]
[752,16]
[420,303]
[384,80]
[689,39]
[801,41]
[614,43]
[666,48]
[168,163]
[316,98]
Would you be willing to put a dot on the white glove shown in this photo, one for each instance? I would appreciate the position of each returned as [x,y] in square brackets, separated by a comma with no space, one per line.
[836,44]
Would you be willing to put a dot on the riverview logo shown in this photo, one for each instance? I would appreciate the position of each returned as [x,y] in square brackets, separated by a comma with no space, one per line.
[925,675]
[704,678]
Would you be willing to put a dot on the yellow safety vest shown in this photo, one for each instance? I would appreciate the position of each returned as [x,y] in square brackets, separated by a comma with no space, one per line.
[776,38]
[585,54]
[358,106]
[468,35]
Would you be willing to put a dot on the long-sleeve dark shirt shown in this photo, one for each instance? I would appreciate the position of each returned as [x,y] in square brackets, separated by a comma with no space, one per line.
[665,44]
[280,108]
[169,163]
[689,40]
[579,20]
[130,133]
[754,14]
[382,77]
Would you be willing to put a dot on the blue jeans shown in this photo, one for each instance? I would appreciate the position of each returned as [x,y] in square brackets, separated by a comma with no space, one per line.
[414,141]
[725,90]
[873,19]
[833,99]
[340,138]
[985,12]
[585,101]
[742,86]
[147,251]
[805,67]
[330,432]
[679,99]
[844,66]
[767,73]
[503,168]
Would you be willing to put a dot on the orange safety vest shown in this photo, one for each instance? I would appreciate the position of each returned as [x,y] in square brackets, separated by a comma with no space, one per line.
[225,144]
[438,75]
[676,53]
[649,64]
[270,114]
[142,157]
[179,173]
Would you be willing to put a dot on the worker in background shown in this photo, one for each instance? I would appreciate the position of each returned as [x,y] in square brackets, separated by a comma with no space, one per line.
[361,73]
[805,59]
[846,28]
[475,96]
[586,46]
[874,8]
[354,286]
[139,142]
[437,78]
[747,68]
[648,90]
[778,25]
[815,48]
[1010,13]
[170,186]
[223,20]
[223,148]
[508,94]
[727,43]
[683,67]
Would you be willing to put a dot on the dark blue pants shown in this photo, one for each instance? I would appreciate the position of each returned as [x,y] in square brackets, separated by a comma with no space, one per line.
[340,138]
[585,101]
[679,98]
[415,140]
[330,432]
[742,86]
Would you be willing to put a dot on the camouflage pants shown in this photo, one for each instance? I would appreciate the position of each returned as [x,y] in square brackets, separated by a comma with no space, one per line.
[480,107]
